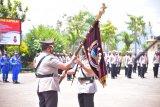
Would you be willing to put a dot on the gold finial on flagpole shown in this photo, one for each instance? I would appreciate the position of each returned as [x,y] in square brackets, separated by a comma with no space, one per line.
[101,11]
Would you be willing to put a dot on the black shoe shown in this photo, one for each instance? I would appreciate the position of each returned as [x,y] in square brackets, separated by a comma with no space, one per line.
[112,77]
[16,82]
[6,81]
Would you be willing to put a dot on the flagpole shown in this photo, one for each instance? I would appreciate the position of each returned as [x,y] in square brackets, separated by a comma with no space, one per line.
[101,11]
[97,19]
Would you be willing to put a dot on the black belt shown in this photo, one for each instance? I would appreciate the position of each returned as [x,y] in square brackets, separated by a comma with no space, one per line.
[86,79]
[43,76]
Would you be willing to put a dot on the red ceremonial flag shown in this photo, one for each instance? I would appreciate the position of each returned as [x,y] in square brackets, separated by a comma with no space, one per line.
[94,52]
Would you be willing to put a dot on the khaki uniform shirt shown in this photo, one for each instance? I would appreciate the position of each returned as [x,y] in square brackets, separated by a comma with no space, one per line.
[143,59]
[113,59]
[85,86]
[156,59]
[49,65]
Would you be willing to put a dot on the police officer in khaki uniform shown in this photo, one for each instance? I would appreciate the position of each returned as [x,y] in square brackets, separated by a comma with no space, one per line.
[119,63]
[113,62]
[156,62]
[47,75]
[108,62]
[130,61]
[126,63]
[86,83]
[143,63]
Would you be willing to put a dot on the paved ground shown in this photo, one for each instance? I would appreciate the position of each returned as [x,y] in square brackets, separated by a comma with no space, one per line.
[120,92]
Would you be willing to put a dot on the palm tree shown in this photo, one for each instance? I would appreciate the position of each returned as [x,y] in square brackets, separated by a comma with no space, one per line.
[109,35]
[137,26]
[77,26]
[127,39]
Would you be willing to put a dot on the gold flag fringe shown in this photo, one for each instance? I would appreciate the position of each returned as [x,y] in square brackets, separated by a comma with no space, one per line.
[103,80]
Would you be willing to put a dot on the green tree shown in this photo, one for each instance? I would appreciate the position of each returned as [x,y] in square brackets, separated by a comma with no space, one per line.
[77,27]
[137,26]
[109,35]
[14,10]
[127,40]
[41,33]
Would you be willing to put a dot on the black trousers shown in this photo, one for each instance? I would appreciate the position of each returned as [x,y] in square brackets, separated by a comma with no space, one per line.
[129,72]
[126,71]
[155,69]
[48,99]
[108,68]
[86,99]
[118,69]
[113,71]
[143,69]
[135,66]
[139,70]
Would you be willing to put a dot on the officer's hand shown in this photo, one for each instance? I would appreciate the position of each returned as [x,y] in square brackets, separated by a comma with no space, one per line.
[70,72]
[79,62]
[62,76]
[74,57]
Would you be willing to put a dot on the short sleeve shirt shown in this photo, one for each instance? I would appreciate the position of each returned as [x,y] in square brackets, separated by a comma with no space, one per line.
[85,86]
[49,65]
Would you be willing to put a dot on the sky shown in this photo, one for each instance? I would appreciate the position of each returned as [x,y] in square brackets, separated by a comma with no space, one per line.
[47,12]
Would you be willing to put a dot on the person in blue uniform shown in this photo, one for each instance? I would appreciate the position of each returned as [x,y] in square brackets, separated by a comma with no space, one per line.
[0,64]
[5,66]
[16,64]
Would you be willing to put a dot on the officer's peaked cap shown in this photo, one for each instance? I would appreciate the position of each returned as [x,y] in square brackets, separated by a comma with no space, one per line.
[48,42]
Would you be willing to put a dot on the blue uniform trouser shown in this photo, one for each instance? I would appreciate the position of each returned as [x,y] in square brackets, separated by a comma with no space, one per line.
[5,71]
[5,74]
[15,72]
